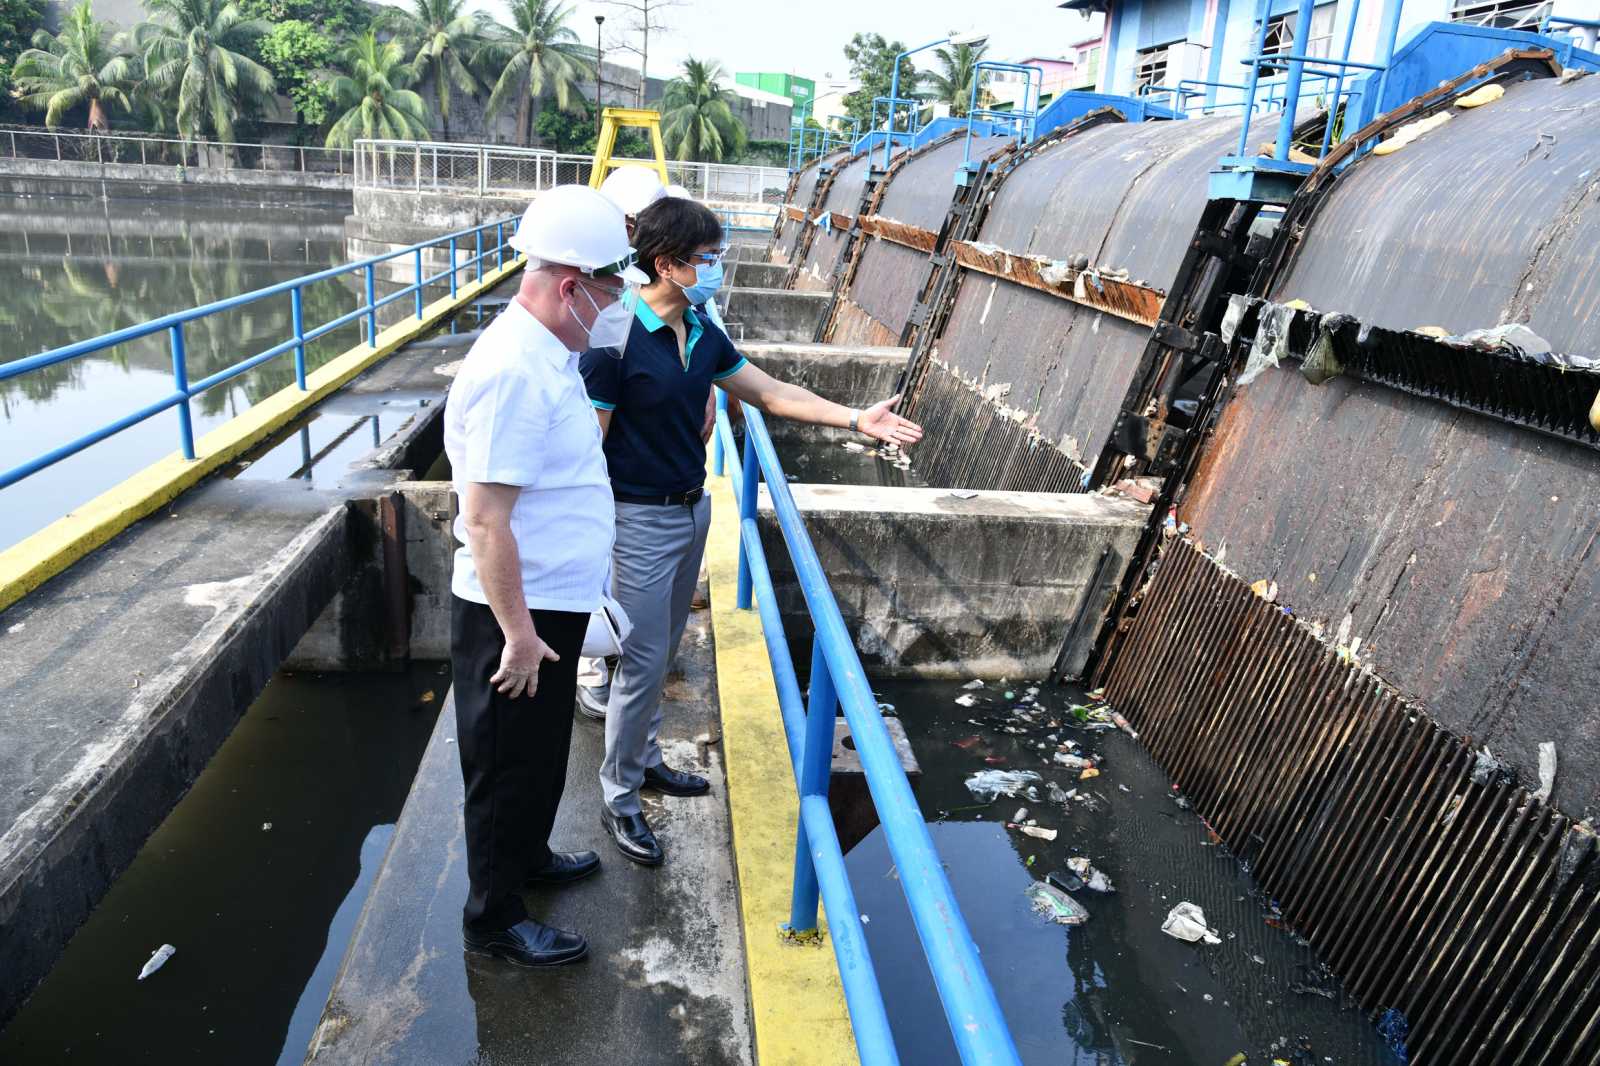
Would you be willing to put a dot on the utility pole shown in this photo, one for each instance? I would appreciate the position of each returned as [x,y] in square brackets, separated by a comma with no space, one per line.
[599,74]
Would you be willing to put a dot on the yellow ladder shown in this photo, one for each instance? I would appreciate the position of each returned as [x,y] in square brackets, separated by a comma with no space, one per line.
[615,118]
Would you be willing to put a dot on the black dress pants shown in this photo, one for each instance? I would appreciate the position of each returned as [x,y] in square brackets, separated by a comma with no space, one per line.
[513,756]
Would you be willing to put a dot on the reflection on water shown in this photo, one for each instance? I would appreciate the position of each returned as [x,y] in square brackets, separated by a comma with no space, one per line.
[257,878]
[1115,990]
[74,269]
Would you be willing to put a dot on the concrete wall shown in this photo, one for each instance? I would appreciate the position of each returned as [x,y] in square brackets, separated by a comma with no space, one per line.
[773,314]
[936,586]
[852,376]
[211,176]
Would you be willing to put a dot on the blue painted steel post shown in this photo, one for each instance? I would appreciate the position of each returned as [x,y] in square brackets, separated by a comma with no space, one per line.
[716,436]
[417,255]
[1387,32]
[297,314]
[478,234]
[372,308]
[1262,14]
[816,763]
[750,480]
[1338,84]
[180,380]
[499,245]
[1291,89]
[452,268]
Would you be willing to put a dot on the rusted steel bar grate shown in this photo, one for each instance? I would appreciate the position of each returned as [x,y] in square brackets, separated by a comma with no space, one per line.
[1460,901]
[970,443]
[904,234]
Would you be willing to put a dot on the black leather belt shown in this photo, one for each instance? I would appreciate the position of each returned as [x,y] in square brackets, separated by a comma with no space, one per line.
[677,499]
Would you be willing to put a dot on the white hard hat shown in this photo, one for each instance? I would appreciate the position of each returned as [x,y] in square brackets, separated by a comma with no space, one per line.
[679,192]
[574,225]
[632,188]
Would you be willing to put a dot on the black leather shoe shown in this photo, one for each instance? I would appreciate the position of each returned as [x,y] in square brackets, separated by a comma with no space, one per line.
[669,782]
[592,701]
[633,836]
[566,867]
[528,943]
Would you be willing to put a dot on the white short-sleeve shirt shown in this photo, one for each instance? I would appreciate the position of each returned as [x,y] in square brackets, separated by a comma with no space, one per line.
[518,414]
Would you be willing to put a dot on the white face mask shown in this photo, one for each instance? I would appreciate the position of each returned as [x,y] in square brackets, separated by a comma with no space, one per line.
[611,326]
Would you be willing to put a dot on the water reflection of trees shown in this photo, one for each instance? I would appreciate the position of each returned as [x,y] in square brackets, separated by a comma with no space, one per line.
[126,280]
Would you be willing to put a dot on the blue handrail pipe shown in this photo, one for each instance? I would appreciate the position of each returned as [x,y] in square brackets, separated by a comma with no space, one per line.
[838,680]
[184,390]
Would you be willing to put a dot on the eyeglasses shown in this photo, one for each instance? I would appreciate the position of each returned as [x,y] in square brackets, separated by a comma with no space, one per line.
[703,258]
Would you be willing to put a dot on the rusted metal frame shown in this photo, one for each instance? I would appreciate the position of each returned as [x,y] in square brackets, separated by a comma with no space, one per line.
[1550,936]
[1573,977]
[1238,700]
[1136,303]
[944,283]
[1353,939]
[1277,765]
[1491,1000]
[1338,844]
[1164,589]
[1353,859]
[1281,829]
[1308,198]
[1467,944]
[1391,966]
[1428,934]
[795,214]
[904,234]
[1309,845]
[808,232]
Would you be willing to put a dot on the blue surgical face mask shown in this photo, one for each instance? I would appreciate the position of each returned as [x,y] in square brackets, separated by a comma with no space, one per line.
[707,280]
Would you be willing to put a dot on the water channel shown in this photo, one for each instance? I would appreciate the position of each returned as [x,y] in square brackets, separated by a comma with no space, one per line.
[257,878]
[75,264]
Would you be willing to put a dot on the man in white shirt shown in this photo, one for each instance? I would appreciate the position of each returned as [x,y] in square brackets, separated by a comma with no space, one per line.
[535,526]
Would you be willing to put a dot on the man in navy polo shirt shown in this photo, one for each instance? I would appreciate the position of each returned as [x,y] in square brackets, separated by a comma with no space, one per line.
[650,397]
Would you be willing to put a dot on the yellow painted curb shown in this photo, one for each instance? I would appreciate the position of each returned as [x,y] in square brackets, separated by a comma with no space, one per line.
[31,562]
[797,1004]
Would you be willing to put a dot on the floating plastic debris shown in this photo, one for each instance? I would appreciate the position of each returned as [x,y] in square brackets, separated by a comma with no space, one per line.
[1021,815]
[1094,878]
[1547,771]
[988,785]
[965,743]
[1087,773]
[266,827]
[1187,922]
[1488,770]
[1072,762]
[966,700]
[973,684]
[157,960]
[1038,832]
[1056,904]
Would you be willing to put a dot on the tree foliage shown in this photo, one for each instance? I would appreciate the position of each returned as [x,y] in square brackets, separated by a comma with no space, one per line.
[297,53]
[339,20]
[872,64]
[952,83]
[537,54]
[19,21]
[195,55]
[373,95]
[443,36]
[697,120]
[76,67]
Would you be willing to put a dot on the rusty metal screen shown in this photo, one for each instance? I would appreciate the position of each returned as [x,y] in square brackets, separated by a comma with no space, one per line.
[1430,886]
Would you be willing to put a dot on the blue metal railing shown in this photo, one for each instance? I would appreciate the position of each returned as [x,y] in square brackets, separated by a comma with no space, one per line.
[183,390]
[1024,115]
[837,679]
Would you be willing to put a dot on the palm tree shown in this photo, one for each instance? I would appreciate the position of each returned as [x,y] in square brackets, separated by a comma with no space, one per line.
[445,35]
[953,84]
[196,50]
[698,120]
[538,53]
[63,71]
[374,96]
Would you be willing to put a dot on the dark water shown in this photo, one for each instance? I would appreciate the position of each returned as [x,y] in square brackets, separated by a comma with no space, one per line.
[260,917]
[1116,989]
[74,267]
[830,463]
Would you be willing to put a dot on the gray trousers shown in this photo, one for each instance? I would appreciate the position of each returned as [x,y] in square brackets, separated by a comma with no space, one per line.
[655,567]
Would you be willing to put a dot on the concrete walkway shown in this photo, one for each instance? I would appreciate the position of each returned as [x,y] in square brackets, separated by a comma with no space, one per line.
[120,677]
[664,981]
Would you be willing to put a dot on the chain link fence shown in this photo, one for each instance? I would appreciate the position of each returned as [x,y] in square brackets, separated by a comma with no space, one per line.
[491,170]
[28,142]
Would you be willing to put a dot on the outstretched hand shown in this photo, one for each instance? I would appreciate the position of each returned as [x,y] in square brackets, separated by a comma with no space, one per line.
[883,424]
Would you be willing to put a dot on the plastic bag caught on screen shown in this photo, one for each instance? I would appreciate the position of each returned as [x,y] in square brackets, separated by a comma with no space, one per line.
[1271,343]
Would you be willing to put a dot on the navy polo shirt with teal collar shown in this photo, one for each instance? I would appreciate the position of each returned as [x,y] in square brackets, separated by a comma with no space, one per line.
[657,401]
